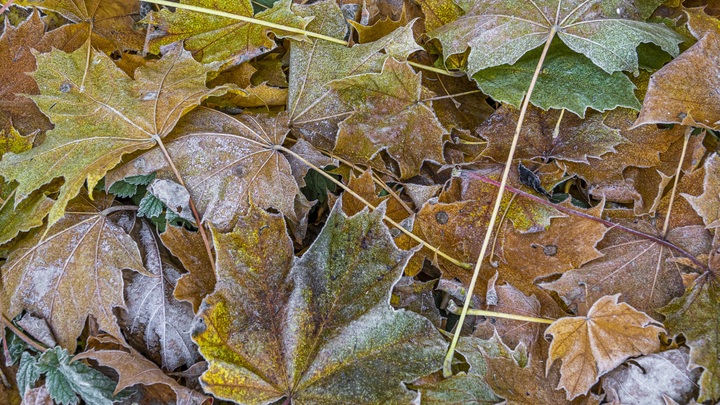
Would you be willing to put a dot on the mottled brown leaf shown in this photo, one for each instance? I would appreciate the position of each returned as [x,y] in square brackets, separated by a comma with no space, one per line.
[72,270]
[707,204]
[590,346]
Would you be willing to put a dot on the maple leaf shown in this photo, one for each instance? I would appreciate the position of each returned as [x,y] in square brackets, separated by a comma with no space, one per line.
[188,247]
[706,204]
[100,114]
[214,38]
[576,140]
[642,270]
[80,259]
[134,369]
[109,24]
[364,186]
[16,57]
[456,221]
[568,80]
[318,330]
[606,31]
[228,163]
[389,114]
[439,12]
[652,377]
[696,316]
[155,320]
[590,346]
[684,91]
[31,211]
[314,108]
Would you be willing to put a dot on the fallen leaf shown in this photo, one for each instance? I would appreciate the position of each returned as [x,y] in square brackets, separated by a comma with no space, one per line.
[314,108]
[321,329]
[227,163]
[642,270]
[365,187]
[189,248]
[500,32]
[707,204]
[568,80]
[110,24]
[134,369]
[214,38]
[80,258]
[37,396]
[100,114]
[683,91]
[696,316]
[390,115]
[576,140]
[155,321]
[590,346]
[647,379]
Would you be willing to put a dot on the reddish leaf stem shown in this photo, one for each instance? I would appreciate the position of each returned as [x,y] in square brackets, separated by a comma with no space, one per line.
[590,217]
[6,6]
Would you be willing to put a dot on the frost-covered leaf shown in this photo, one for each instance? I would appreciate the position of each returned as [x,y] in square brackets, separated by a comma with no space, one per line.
[133,369]
[189,248]
[66,380]
[227,163]
[707,204]
[647,379]
[109,23]
[590,346]
[316,329]
[100,114]
[390,115]
[214,38]
[28,372]
[313,107]
[155,320]
[606,31]
[697,316]
[71,270]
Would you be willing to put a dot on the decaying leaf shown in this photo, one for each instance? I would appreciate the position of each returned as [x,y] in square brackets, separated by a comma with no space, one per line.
[697,317]
[228,163]
[220,39]
[155,320]
[707,204]
[647,379]
[100,114]
[317,329]
[79,259]
[389,114]
[590,346]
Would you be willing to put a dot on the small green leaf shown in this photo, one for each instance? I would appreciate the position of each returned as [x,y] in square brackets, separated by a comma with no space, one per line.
[28,372]
[150,206]
[128,186]
[65,379]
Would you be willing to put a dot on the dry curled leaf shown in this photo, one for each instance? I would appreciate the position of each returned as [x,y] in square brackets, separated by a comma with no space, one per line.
[590,346]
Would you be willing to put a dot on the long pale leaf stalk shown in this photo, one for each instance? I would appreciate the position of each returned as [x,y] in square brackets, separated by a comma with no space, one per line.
[281,27]
[493,314]
[447,364]
[414,237]
[675,184]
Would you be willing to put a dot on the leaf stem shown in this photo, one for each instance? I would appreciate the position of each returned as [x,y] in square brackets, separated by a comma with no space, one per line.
[451,95]
[480,312]
[286,28]
[201,227]
[581,214]
[416,238]
[117,208]
[675,184]
[447,364]
[25,338]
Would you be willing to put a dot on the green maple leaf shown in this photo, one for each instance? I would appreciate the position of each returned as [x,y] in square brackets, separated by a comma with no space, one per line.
[214,38]
[100,114]
[697,316]
[568,80]
[606,31]
[315,330]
